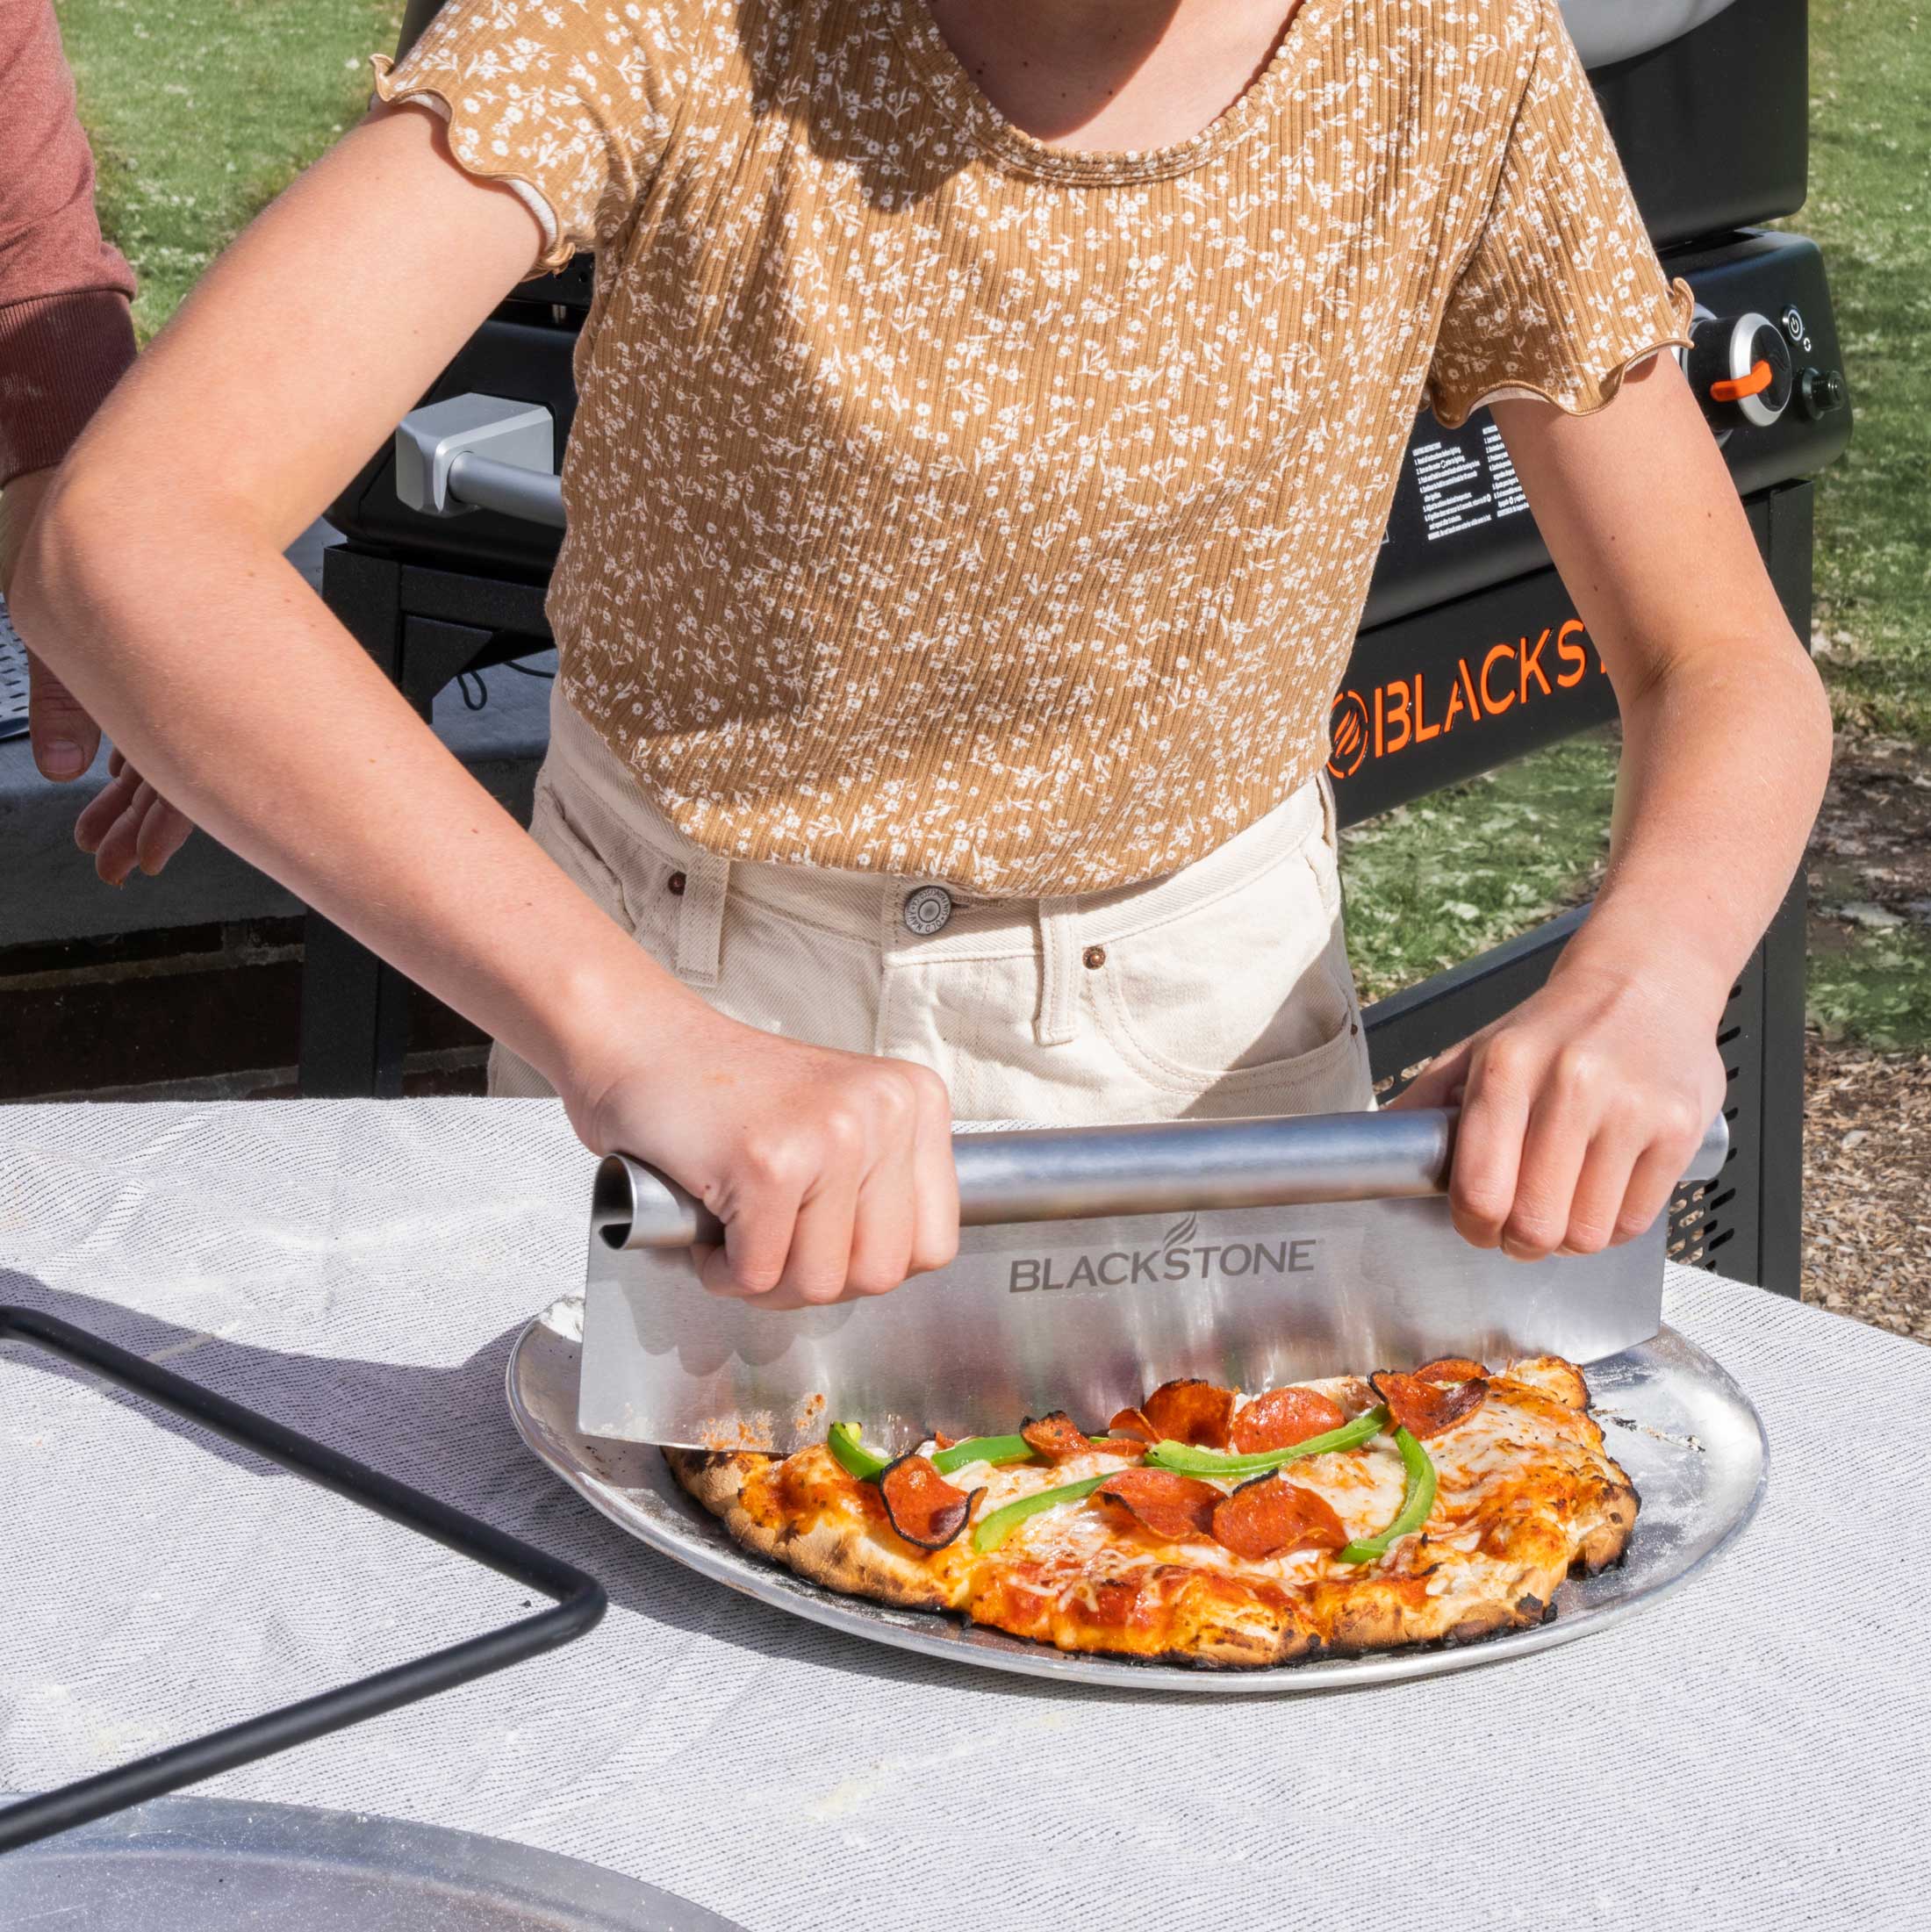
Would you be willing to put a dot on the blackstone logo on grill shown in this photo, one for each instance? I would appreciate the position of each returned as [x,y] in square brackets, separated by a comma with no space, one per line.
[1409,710]
[1179,1257]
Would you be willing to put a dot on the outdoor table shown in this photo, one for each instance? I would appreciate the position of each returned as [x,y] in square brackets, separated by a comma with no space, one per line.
[1753,1750]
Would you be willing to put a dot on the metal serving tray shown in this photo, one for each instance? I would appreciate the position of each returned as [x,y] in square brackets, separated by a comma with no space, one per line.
[213,1865]
[1686,1433]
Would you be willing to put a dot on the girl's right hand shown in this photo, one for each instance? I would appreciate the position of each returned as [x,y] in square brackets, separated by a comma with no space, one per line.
[831,1172]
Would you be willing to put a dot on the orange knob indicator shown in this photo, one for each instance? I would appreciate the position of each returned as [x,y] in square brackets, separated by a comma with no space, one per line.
[1733,389]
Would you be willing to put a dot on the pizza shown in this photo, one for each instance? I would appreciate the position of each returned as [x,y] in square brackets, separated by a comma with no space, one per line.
[1208,1527]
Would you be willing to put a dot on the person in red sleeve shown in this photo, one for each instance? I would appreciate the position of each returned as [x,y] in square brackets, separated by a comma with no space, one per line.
[66,337]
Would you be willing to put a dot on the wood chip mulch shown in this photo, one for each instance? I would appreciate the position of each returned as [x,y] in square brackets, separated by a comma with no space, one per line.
[1867,1186]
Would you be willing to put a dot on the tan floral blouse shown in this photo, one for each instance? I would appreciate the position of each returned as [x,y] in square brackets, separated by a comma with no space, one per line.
[948,504]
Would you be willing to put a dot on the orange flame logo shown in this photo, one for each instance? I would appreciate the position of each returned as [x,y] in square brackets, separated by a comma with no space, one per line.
[1347,734]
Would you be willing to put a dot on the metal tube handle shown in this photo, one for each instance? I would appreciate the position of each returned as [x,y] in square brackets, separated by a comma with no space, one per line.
[484,484]
[1065,1173]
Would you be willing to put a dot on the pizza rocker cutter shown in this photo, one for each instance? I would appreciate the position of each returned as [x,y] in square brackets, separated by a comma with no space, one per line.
[1096,1263]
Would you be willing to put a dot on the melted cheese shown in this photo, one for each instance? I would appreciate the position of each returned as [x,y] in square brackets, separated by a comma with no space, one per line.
[1365,1487]
[1523,1459]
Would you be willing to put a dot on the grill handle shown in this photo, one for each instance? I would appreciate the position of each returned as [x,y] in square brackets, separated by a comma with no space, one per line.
[474,452]
[481,483]
[1067,1174]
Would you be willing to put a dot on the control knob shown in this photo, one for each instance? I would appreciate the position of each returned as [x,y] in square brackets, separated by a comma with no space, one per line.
[1740,367]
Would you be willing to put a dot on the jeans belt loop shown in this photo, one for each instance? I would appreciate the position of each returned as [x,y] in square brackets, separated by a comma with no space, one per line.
[701,919]
[1059,1021]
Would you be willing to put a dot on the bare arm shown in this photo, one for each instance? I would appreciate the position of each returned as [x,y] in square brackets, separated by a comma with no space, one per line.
[153,581]
[1581,1108]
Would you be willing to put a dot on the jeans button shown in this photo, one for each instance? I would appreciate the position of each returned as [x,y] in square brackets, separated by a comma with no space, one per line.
[926,911]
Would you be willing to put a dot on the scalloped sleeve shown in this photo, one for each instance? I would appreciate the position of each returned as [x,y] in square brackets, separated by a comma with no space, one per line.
[1561,294]
[567,102]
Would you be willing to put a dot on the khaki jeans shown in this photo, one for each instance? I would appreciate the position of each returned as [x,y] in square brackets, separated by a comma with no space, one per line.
[1220,990]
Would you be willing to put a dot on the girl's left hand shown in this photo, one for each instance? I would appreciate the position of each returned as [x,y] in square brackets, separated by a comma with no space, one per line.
[1580,1111]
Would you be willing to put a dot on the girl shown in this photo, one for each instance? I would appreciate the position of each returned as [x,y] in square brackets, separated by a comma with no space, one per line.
[989,412]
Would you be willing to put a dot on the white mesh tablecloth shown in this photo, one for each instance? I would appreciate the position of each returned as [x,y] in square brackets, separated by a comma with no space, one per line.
[1754,1751]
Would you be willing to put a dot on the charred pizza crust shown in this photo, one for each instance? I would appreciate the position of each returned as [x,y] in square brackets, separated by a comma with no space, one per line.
[1526,1493]
[804,1512]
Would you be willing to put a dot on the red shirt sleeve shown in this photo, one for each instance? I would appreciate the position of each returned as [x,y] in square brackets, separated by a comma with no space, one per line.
[66,334]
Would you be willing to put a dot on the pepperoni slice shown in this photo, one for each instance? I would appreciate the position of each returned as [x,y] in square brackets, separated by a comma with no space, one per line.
[1056,1438]
[1426,1408]
[1190,1411]
[925,1509]
[1272,1517]
[1450,1368]
[1171,1506]
[1282,1417]
[1131,1422]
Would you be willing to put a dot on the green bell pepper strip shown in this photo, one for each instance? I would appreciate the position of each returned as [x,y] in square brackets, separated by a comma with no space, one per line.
[982,1448]
[992,1530]
[853,1457]
[996,1449]
[1415,1507]
[1189,1460]
[866,1463]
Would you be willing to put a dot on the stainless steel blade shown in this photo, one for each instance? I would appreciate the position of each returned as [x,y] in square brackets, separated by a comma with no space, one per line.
[1280,1250]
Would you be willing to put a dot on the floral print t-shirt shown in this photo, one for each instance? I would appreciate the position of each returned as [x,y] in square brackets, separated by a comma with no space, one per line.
[948,504]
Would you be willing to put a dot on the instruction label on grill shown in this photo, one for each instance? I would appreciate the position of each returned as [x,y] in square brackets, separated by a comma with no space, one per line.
[1463,487]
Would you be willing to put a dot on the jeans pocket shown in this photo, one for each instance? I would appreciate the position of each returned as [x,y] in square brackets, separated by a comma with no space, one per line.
[636,902]
[1250,993]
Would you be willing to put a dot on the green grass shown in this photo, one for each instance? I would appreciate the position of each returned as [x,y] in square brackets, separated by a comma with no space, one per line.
[1875,990]
[203,110]
[1431,883]
[1870,210]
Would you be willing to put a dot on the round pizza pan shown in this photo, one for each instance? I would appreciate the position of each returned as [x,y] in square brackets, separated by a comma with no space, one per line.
[1686,1433]
[226,1864]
